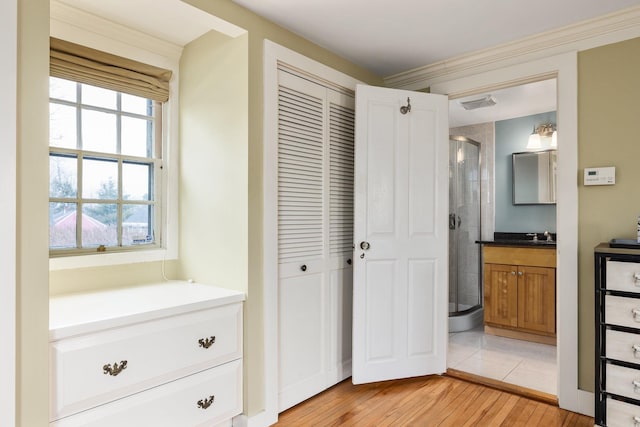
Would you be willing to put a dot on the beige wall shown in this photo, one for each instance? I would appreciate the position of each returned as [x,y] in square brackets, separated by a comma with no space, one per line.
[32,395]
[214,122]
[608,117]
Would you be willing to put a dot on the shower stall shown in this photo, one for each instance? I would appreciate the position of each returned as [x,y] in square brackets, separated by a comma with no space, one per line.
[465,281]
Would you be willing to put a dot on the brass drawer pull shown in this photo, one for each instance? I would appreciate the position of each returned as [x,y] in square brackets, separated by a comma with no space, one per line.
[207,342]
[205,403]
[116,369]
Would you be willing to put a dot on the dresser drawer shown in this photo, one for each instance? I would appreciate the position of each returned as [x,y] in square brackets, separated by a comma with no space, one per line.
[620,414]
[154,352]
[177,403]
[623,276]
[623,381]
[622,311]
[623,346]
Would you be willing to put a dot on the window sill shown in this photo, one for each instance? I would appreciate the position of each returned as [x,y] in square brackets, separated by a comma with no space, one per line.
[107,259]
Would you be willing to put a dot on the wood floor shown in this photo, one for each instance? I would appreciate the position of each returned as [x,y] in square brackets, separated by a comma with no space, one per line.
[425,401]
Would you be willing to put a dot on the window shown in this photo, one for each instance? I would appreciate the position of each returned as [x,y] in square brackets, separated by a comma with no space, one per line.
[105,159]
[106,156]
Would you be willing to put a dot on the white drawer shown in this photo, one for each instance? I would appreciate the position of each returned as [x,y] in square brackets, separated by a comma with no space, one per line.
[620,414]
[155,352]
[623,346]
[623,381]
[622,311]
[623,276]
[172,404]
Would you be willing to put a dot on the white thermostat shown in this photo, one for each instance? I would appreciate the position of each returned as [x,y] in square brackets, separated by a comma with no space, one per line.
[600,176]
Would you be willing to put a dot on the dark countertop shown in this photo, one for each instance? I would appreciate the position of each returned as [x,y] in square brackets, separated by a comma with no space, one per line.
[513,242]
[519,239]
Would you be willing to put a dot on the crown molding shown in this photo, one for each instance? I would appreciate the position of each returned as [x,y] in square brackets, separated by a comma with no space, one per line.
[78,26]
[606,29]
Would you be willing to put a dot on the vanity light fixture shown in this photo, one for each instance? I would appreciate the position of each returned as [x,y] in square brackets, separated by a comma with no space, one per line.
[544,130]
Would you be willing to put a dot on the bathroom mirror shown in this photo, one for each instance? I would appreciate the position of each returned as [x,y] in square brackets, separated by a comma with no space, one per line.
[534,178]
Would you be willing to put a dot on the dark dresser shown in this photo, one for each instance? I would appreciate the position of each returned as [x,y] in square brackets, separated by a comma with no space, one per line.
[617,311]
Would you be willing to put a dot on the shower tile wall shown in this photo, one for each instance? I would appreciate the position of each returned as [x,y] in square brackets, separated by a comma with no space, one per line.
[484,134]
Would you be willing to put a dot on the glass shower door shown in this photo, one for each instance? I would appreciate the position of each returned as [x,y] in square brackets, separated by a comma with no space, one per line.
[465,293]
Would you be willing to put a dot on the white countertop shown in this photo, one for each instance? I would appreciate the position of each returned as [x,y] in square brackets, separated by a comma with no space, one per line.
[81,313]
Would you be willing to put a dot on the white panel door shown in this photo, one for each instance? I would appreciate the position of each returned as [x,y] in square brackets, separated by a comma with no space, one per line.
[400,259]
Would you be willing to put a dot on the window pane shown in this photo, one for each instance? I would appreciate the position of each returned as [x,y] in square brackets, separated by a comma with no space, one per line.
[62,126]
[63,176]
[136,137]
[99,97]
[62,89]
[136,179]
[136,224]
[100,179]
[135,104]
[62,225]
[99,131]
[99,224]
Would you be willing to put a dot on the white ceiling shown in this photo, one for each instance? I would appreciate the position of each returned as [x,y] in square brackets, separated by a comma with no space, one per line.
[387,37]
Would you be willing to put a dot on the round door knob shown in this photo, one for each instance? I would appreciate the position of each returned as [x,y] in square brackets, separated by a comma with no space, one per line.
[349,261]
[303,267]
[519,273]
[364,245]
[513,273]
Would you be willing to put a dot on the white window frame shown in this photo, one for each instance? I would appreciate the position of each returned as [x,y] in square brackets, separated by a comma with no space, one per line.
[166,56]
[154,160]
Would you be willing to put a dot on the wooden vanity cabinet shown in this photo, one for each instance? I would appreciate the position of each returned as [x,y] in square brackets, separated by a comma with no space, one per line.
[520,292]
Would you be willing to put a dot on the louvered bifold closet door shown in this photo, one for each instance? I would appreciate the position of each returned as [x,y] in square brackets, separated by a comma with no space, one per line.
[315,228]
[303,290]
[341,156]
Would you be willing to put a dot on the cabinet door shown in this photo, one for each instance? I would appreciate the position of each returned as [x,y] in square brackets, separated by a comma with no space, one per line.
[501,295]
[537,299]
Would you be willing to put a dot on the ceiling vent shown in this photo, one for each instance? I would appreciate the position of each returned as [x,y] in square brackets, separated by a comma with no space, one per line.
[485,101]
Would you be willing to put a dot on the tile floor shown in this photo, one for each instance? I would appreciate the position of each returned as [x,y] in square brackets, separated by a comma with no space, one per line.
[523,363]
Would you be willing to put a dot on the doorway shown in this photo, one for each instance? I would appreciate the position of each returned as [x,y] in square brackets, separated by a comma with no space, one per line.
[508,360]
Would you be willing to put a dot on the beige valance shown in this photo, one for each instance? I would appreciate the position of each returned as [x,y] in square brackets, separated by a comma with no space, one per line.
[85,65]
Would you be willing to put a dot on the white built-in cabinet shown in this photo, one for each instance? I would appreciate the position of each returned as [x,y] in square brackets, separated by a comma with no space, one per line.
[162,355]
[315,235]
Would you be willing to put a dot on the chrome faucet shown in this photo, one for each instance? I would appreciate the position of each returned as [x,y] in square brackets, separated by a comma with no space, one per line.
[535,236]
[549,238]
